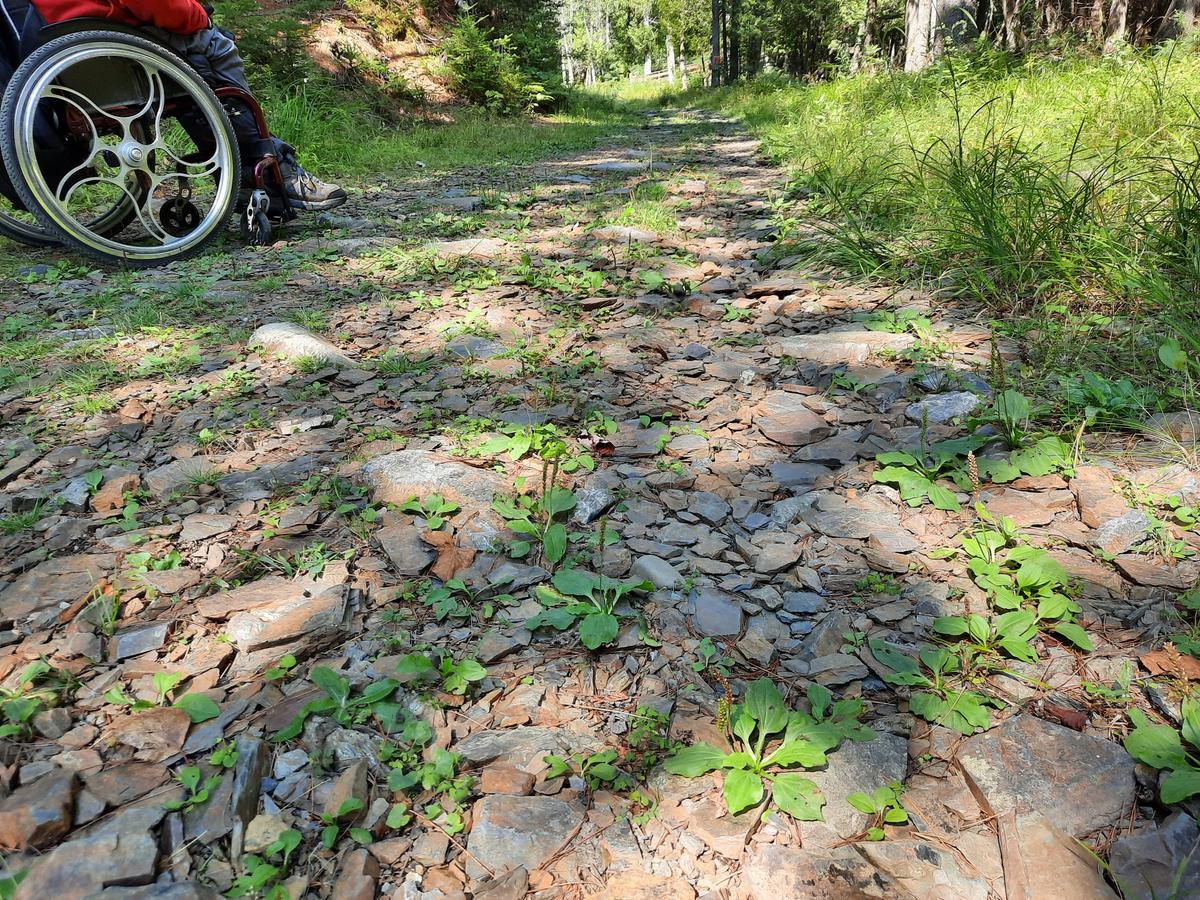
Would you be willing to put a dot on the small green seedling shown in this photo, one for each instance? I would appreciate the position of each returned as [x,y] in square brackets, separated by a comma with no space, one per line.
[884,804]
[433,509]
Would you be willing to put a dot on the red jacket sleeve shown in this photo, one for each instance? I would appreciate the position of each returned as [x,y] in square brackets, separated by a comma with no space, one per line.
[175,16]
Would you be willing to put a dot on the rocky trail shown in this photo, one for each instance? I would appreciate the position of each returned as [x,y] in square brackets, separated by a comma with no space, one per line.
[298,599]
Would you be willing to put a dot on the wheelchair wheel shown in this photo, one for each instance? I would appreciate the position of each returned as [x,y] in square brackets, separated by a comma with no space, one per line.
[140,128]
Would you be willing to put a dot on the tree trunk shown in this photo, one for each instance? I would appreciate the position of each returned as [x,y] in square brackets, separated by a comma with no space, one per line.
[683,72]
[1118,16]
[1179,19]
[715,61]
[735,40]
[670,58]
[862,43]
[1012,27]
[648,63]
[918,14]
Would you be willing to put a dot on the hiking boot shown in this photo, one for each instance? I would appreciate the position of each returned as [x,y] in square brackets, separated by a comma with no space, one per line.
[305,191]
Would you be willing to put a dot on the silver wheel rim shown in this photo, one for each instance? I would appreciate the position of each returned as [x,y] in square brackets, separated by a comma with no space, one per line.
[126,158]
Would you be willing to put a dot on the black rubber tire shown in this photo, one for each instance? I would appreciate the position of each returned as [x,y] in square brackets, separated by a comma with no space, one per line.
[260,234]
[180,70]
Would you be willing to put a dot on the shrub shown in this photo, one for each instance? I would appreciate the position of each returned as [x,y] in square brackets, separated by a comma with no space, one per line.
[485,71]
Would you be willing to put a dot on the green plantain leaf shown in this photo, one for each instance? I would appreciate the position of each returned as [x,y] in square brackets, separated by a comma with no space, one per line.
[742,790]
[797,796]
[695,760]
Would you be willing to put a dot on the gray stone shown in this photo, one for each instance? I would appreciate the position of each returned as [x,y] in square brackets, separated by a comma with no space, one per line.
[774,872]
[804,603]
[512,831]
[299,613]
[837,668]
[926,869]
[165,480]
[290,341]
[266,481]
[410,555]
[74,497]
[521,746]
[715,613]
[853,766]
[941,408]
[708,506]
[1083,783]
[56,581]
[1117,535]
[852,522]
[793,474]
[87,865]
[851,345]
[657,571]
[398,477]
[139,640]
[495,644]
[782,417]
[474,248]
[180,890]
[1161,862]
[777,555]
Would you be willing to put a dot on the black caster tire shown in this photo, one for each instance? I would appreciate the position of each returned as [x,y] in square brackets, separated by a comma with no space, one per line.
[179,220]
[256,232]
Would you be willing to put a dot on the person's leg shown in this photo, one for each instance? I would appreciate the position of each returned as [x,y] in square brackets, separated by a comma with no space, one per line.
[214,55]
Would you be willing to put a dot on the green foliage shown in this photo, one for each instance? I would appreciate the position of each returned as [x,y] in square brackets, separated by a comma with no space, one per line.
[37,688]
[414,777]
[711,658]
[586,600]
[196,788]
[941,701]
[433,509]
[537,519]
[1016,577]
[1163,747]
[453,677]
[342,704]
[484,71]
[884,804]
[769,739]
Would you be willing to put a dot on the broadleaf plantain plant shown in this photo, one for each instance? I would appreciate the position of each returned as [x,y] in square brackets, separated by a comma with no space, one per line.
[769,740]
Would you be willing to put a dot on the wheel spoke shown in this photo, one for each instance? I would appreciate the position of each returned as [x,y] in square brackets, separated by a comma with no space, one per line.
[211,165]
[72,96]
[156,101]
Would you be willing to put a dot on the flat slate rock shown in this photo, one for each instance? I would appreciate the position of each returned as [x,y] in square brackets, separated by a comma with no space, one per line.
[398,477]
[511,832]
[851,346]
[1082,783]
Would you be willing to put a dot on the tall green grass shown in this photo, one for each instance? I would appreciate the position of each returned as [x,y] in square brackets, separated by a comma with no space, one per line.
[1063,193]
[336,137]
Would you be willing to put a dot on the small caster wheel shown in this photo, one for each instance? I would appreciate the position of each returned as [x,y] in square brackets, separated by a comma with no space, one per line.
[179,219]
[256,229]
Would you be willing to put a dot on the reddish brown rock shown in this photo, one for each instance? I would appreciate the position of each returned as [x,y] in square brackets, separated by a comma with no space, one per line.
[1097,496]
[505,779]
[111,495]
[38,814]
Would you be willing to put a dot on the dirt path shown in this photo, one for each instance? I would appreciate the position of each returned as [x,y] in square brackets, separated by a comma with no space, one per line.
[214,495]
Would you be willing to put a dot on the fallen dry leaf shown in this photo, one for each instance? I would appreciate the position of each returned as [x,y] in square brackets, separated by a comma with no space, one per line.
[451,557]
[1169,661]
[1071,718]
